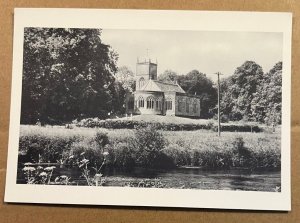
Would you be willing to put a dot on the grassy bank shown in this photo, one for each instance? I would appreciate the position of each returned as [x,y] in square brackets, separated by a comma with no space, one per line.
[163,149]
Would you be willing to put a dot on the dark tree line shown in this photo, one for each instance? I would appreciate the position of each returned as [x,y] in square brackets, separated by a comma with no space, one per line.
[249,94]
[68,74]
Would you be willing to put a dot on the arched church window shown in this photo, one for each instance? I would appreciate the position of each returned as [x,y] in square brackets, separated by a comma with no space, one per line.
[180,105]
[141,102]
[150,102]
[158,104]
[141,82]
[168,104]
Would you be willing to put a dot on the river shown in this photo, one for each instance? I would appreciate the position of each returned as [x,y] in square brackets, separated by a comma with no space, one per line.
[191,178]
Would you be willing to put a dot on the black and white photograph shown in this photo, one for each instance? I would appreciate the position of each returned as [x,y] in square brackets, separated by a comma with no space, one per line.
[151,111]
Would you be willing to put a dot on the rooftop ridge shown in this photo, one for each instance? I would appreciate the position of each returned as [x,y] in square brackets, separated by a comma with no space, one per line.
[165,82]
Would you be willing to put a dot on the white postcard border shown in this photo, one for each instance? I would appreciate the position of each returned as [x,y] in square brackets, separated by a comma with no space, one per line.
[160,20]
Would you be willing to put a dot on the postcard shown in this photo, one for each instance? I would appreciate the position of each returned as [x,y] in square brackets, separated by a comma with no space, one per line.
[151,108]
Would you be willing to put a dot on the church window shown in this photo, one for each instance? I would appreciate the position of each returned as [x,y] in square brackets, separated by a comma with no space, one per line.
[141,82]
[150,102]
[180,105]
[141,102]
[158,104]
[168,104]
[195,107]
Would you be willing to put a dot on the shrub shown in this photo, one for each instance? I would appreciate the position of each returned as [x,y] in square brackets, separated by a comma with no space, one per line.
[179,154]
[266,157]
[131,124]
[214,159]
[241,156]
[101,139]
[123,155]
[88,149]
[149,143]
[43,148]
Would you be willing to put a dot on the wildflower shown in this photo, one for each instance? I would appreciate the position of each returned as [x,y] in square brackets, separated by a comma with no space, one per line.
[49,168]
[81,154]
[61,178]
[98,175]
[71,157]
[84,161]
[105,153]
[29,168]
[27,164]
[43,174]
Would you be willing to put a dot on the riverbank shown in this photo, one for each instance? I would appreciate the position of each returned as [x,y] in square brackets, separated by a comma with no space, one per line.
[200,148]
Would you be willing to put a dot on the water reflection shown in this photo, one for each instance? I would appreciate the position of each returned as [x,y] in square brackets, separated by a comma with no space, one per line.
[234,179]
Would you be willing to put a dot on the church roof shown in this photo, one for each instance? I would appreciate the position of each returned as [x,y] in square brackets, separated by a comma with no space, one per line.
[154,85]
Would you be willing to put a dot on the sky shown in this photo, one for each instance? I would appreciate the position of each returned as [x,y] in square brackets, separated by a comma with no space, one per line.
[207,51]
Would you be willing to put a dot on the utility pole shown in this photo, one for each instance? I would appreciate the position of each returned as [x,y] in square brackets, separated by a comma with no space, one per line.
[219,121]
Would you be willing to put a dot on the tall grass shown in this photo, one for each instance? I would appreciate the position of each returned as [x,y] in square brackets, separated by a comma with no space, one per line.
[199,148]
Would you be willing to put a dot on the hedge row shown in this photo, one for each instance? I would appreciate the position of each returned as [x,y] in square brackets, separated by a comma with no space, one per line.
[131,124]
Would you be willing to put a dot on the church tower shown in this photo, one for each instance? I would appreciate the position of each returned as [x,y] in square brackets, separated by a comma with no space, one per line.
[145,71]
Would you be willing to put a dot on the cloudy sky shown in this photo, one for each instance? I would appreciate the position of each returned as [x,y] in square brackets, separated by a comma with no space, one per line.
[183,51]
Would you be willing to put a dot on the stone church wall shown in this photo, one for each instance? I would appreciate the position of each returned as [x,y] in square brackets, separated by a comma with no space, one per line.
[187,106]
[170,96]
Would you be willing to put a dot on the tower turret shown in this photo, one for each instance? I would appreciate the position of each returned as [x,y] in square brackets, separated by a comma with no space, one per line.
[145,71]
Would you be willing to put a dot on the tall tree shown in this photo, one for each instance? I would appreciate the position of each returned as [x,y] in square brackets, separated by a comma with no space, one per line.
[67,73]
[266,104]
[238,91]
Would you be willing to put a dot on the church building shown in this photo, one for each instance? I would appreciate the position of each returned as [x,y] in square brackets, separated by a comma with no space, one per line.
[159,98]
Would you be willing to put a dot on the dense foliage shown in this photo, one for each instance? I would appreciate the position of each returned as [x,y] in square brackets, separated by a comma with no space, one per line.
[67,73]
[149,147]
[126,77]
[251,95]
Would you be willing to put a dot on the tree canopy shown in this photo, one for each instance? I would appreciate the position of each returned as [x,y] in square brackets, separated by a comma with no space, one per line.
[251,95]
[67,73]
[126,77]
[196,83]
[168,76]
